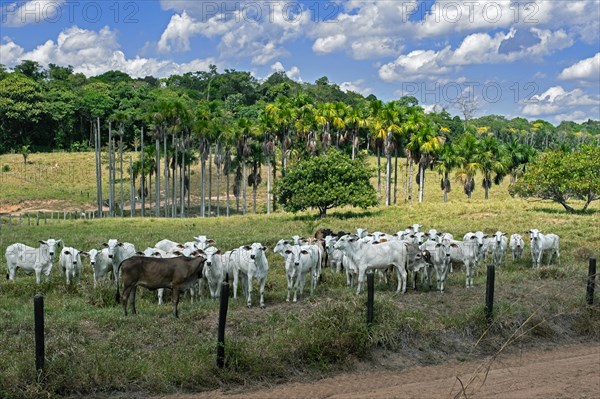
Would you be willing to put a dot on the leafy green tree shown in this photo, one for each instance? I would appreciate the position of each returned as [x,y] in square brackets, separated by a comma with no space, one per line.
[563,176]
[324,182]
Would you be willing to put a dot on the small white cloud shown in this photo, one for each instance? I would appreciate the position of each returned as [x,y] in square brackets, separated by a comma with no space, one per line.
[557,99]
[418,64]
[324,45]
[355,86]
[32,12]
[587,69]
[293,73]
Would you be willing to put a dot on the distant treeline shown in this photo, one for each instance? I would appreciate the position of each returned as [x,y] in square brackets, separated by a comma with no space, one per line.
[53,108]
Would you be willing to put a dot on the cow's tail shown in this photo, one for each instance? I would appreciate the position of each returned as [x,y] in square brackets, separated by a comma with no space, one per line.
[118,295]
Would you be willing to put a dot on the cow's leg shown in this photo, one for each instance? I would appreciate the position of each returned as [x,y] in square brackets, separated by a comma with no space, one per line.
[362,277]
[557,256]
[125,299]
[11,272]
[290,282]
[133,292]
[236,276]
[296,285]
[38,273]
[160,292]
[175,300]
[249,278]
[263,281]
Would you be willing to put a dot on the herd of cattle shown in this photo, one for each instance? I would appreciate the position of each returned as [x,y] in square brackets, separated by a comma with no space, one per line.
[179,267]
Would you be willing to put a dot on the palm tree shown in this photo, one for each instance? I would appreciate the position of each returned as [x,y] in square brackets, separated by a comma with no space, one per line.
[424,144]
[357,119]
[466,150]
[447,160]
[491,157]
[520,154]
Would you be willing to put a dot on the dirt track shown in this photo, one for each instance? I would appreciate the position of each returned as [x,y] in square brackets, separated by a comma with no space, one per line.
[565,372]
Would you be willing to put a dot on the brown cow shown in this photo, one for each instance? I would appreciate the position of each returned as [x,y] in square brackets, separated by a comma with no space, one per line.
[177,274]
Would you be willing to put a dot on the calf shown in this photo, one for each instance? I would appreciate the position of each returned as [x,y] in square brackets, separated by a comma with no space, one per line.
[290,272]
[516,245]
[305,261]
[178,274]
[213,273]
[441,254]
[498,248]
[70,263]
[249,262]
[101,264]
[541,243]
[38,260]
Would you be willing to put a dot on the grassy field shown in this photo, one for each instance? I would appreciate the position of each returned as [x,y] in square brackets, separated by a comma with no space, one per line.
[91,350]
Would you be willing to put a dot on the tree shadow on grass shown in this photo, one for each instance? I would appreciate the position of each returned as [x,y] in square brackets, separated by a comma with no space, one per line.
[555,211]
[338,215]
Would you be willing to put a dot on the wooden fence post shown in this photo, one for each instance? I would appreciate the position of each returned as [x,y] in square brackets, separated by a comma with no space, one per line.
[489,293]
[591,282]
[224,303]
[370,297]
[38,313]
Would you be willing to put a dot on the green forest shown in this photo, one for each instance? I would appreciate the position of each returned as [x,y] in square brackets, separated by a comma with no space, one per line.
[238,123]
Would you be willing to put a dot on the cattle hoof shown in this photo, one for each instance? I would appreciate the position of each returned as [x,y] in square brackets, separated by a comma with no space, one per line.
[262,306]
[248,306]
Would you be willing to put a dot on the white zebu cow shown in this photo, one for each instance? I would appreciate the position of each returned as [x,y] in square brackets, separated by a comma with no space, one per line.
[335,256]
[499,244]
[516,245]
[101,264]
[305,261]
[248,262]
[483,244]
[541,243]
[366,256]
[38,260]
[202,242]
[167,245]
[118,252]
[290,272]
[441,253]
[213,273]
[70,263]
[466,252]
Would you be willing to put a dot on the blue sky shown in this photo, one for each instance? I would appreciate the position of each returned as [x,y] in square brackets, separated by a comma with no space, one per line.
[530,58]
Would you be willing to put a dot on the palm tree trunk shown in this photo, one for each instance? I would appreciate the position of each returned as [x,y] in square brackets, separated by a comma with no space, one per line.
[268,185]
[157,182]
[410,180]
[143,182]
[202,183]
[166,175]
[395,173]
[98,168]
[378,173]
[244,184]
[182,188]
[174,183]
[121,170]
[446,179]
[388,178]
[209,178]
[421,182]
[131,189]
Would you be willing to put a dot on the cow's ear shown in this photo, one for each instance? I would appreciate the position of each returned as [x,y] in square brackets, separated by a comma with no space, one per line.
[120,244]
[454,245]
[177,253]
[304,252]
[105,245]
[42,241]
[139,253]
[218,251]
[287,251]
[84,254]
[67,253]
[211,242]
[485,236]
[264,249]
[247,247]
[504,234]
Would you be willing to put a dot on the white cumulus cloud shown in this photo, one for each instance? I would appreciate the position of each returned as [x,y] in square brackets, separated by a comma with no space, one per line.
[587,69]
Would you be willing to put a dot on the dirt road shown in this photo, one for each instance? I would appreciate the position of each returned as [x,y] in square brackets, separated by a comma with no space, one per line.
[571,372]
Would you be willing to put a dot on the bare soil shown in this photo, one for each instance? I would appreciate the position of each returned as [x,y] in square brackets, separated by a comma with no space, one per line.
[570,371]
